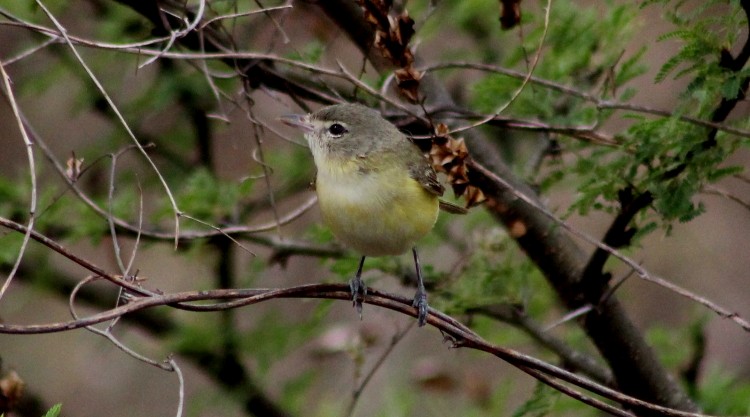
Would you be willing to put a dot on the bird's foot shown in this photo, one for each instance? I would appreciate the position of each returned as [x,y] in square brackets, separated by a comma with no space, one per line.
[359,291]
[420,302]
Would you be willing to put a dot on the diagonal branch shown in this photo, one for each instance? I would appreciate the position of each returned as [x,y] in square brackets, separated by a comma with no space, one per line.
[571,358]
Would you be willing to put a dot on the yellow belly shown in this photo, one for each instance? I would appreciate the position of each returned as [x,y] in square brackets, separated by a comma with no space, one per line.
[376,214]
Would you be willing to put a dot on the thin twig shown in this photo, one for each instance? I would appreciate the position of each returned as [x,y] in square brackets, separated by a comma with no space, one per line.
[167,47]
[73,257]
[571,315]
[242,14]
[346,74]
[279,28]
[571,358]
[56,35]
[713,190]
[137,242]
[110,216]
[357,393]
[261,160]
[31,51]
[107,333]
[203,66]
[181,380]
[32,172]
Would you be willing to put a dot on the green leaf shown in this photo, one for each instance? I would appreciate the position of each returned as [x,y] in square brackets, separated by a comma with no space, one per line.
[675,200]
[722,393]
[667,68]
[54,411]
[731,88]
[719,173]
[631,68]
[675,34]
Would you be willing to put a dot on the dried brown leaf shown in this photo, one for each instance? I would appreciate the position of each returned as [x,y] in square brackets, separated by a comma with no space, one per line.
[510,13]
[73,167]
[408,83]
[11,391]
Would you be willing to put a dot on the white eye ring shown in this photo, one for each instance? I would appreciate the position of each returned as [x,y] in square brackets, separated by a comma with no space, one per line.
[336,130]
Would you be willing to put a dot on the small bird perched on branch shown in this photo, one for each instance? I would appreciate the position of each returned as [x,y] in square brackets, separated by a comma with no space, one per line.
[377,192]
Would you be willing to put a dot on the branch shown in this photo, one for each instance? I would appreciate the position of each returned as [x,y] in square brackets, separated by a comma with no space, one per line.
[571,358]
[460,334]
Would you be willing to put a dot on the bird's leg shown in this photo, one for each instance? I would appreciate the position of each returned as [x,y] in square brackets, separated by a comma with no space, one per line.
[358,288]
[420,298]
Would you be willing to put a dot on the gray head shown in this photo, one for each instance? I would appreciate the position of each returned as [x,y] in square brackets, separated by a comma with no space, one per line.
[345,130]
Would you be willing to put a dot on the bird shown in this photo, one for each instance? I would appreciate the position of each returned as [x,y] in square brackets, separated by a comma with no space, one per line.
[377,191]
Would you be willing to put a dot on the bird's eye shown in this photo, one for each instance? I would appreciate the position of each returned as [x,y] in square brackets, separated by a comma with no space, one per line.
[336,129]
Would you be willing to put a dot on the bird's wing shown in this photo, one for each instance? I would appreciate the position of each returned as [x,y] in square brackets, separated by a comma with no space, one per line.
[426,176]
[451,208]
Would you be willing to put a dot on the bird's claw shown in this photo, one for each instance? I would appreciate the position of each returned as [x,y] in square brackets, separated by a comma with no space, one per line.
[359,291]
[420,302]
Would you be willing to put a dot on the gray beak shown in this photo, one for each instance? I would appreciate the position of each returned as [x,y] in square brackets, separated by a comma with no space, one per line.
[299,121]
